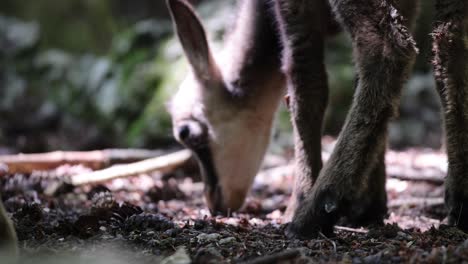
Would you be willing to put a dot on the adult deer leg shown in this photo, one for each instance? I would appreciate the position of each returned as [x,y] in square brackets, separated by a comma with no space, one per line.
[302,25]
[372,206]
[383,50]
[451,74]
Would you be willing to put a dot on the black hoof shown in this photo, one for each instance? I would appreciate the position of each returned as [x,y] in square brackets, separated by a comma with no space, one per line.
[458,217]
[457,204]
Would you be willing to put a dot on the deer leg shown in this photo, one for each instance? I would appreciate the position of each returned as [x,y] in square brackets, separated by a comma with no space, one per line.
[451,73]
[372,208]
[302,28]
[384,51]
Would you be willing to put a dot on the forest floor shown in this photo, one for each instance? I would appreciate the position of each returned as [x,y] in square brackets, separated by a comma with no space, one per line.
[154,218]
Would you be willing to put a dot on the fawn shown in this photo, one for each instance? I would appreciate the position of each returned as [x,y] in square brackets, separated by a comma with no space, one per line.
[224,109]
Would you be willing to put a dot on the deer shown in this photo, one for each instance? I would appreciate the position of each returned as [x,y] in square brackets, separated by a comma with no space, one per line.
[224,109]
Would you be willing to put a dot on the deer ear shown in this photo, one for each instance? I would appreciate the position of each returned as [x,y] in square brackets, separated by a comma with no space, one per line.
[192,36]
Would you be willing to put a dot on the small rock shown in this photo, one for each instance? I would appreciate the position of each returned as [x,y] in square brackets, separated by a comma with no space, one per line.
[404,235]
[227,240]
[208,238]
[173,232]
[376,258]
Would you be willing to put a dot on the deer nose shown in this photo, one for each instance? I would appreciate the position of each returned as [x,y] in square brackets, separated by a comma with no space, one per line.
[183,132]
[190,131]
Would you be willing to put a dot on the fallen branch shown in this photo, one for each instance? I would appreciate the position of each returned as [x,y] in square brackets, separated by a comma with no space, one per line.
[426,202]
[437,180]
[98,159]
[397,170]
[280,257]
[163,164]
[411,174]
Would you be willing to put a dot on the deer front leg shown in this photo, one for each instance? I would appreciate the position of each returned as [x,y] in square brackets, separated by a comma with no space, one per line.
[372,206]
[451,74]
[383,50]
[302,25]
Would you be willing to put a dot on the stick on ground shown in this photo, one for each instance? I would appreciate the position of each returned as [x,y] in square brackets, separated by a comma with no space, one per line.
[163,164]
[352,230]
[98,159]
[417,201]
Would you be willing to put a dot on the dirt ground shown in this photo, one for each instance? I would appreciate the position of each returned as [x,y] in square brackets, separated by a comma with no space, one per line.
[153,218]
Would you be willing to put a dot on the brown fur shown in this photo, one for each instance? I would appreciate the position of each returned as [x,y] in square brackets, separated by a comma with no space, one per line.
[383,52]
[352,183]
[451,71]
[234,102]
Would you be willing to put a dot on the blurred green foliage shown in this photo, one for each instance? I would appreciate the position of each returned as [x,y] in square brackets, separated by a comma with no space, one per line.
[82,100]
[73,95]
[72,25]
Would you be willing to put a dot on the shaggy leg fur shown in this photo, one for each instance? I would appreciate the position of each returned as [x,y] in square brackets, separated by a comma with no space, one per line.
[372,206]
[451,73]
[384,51]
[302,25]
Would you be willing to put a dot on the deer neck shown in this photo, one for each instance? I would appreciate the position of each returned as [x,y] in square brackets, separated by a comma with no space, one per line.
[251,58]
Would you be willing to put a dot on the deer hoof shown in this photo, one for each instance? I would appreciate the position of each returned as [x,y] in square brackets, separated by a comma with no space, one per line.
[316,216]
[457,204]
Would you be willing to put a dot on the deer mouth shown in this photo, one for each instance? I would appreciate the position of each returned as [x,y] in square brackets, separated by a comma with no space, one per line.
[213,193]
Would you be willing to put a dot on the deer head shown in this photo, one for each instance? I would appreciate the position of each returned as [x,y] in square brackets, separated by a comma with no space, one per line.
[214,114]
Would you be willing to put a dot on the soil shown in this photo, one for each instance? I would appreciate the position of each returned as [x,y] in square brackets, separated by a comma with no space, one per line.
[154,218]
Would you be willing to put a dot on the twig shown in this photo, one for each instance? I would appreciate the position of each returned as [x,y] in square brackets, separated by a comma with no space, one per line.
[410,174]
[417,202]
[277,257]
[352,230]
[98,159]
[395,170]
[163,163]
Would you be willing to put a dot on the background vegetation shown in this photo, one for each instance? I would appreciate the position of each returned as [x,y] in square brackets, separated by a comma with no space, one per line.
[83,74]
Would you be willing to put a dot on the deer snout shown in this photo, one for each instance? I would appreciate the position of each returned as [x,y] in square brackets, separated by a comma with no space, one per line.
[191,133]
[183,132]
[224,192]
[224,203]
